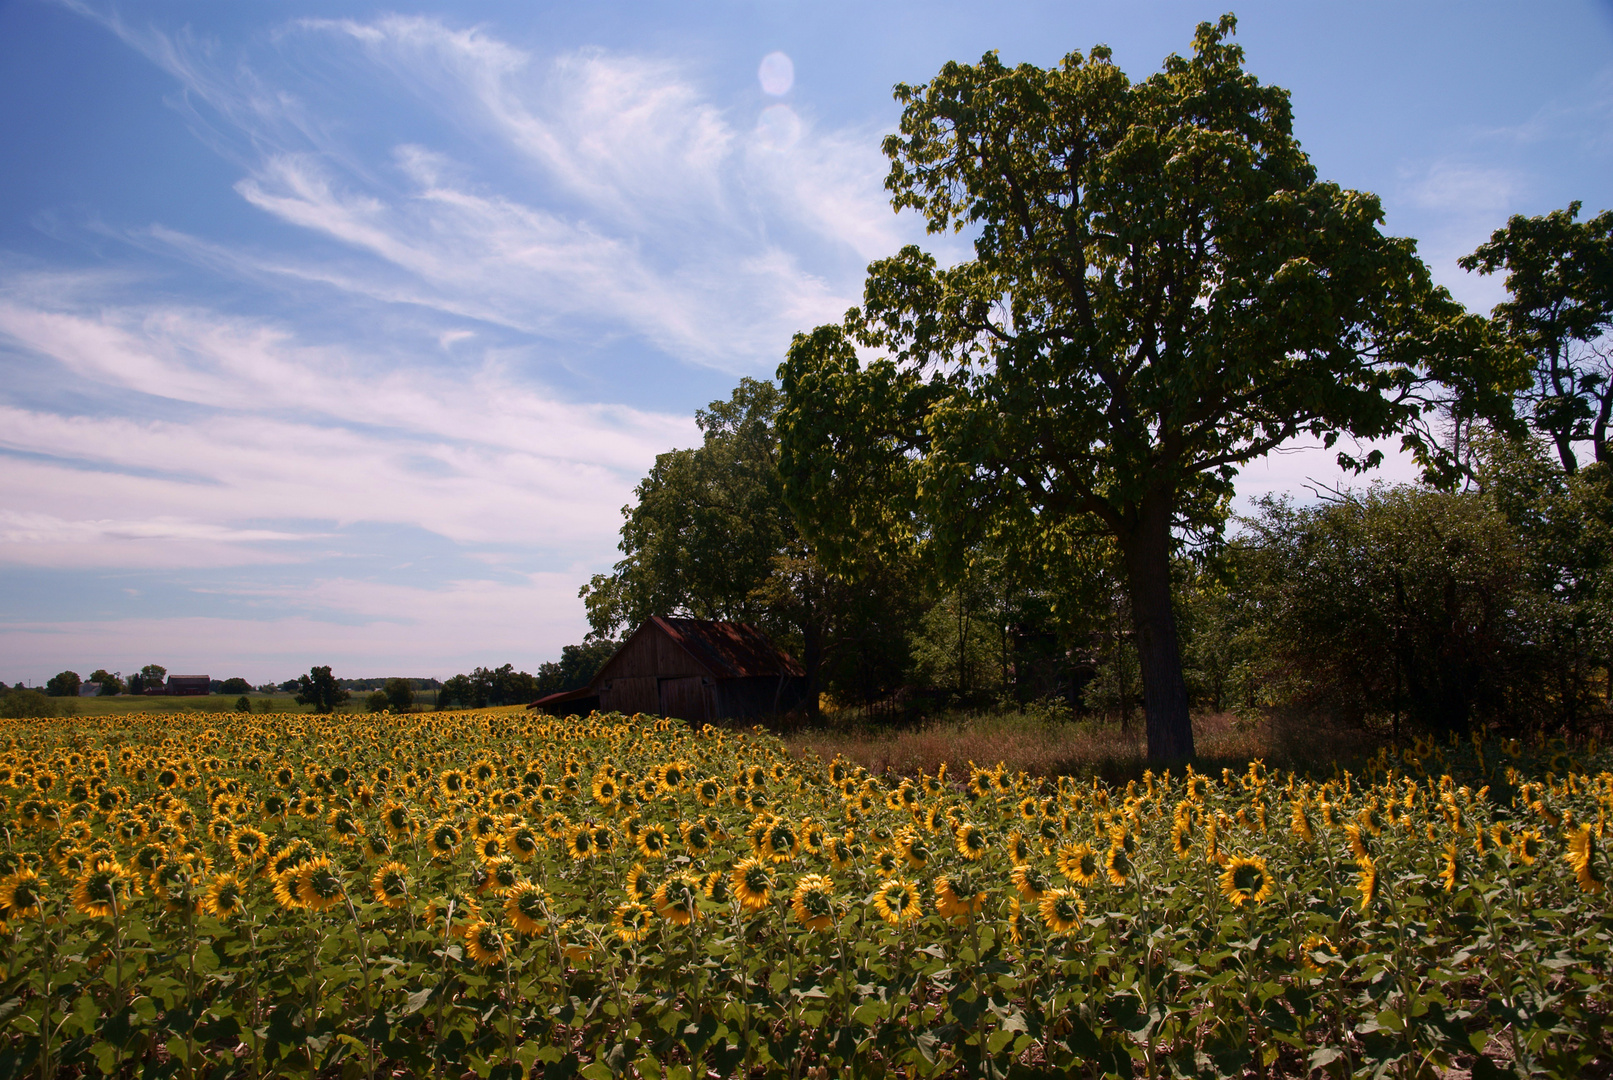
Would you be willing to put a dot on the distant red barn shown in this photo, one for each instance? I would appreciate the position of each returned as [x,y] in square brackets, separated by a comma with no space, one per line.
[185,686]
[692,669]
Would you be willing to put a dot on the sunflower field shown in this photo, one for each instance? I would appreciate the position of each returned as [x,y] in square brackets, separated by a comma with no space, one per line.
[504,896]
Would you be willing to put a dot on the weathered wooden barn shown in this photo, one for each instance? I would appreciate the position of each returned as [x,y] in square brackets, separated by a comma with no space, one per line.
[183,686]
[692,669]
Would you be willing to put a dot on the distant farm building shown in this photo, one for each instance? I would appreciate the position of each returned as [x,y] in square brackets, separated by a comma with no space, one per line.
[184,686]
[692,669]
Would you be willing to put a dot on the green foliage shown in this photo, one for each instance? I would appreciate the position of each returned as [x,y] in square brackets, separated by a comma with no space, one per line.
[1433,609]
[1161,292]
[956,646]
[399,695]
[64,684]
[483,687]
[1560,277]
[109,683]
[320,689]
[235,686]
[710,537]
[705,525]
[578,664]
[20,703]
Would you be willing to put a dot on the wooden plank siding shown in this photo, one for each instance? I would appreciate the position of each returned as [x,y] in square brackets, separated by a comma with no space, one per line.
[692,670]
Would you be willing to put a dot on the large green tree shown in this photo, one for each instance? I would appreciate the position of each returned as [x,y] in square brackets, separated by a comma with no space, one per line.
[709,536]
[705,525]
[1560,274]
[1161,291]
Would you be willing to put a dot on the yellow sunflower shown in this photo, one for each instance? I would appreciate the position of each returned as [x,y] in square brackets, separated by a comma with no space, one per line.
[1581,856]
[813,902]
[104,890]
[897,902]
[677,899]
[1062,910]
[1528,846]
[1246,880]
[444,839]
[971,842]
[1367,881]
[318,886]
[1452,868]
[224,897]
[1079,863]
[526,906]
[752,884]
[483,943]
[22,894]
[390,885]
[1031,883]
[652,841]
[632,921]
[958,896]
[1118,864]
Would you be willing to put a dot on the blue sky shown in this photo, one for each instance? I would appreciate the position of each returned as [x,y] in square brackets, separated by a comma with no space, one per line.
[340,333]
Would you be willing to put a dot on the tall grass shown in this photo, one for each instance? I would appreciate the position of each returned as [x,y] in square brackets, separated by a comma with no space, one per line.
[1047,744]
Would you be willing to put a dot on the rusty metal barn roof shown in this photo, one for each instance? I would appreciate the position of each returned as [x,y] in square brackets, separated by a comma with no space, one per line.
[729,650]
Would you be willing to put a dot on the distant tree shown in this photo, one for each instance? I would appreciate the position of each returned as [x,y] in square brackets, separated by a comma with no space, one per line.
[319,689]
[377,702]
[268,688]
[290,685]
[64,684]
[243,704]
[576,666]
[399,694]
[1162,291]
[154,675]
[109,682]
[456,692]
[1560,275]
[236,686]
[485,687]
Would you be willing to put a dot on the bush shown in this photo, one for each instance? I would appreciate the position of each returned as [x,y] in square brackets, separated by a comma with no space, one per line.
[22,704]
[378,702]
[243,704]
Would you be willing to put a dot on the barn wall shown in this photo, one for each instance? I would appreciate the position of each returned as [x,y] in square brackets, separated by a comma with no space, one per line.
[650,654]
[629,695]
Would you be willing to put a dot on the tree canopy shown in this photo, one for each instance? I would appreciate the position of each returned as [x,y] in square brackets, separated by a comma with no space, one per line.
[1161,291]
[1560,275]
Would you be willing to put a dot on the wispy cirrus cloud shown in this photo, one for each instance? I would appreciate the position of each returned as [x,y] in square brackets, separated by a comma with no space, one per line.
[384,349]
[658,213]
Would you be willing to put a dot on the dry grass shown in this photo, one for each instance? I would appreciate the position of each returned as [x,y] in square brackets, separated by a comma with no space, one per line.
[1051,748]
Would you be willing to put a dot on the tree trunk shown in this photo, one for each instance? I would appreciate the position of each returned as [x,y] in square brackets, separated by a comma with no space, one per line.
[1146,548]
[811,661]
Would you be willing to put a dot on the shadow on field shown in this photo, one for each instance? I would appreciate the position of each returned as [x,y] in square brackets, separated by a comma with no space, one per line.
[1043,747]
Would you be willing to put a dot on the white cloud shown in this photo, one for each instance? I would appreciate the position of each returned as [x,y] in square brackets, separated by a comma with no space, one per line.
[280,430]
[708,235]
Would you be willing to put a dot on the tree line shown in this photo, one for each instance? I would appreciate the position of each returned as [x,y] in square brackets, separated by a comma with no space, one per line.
[1017,471]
